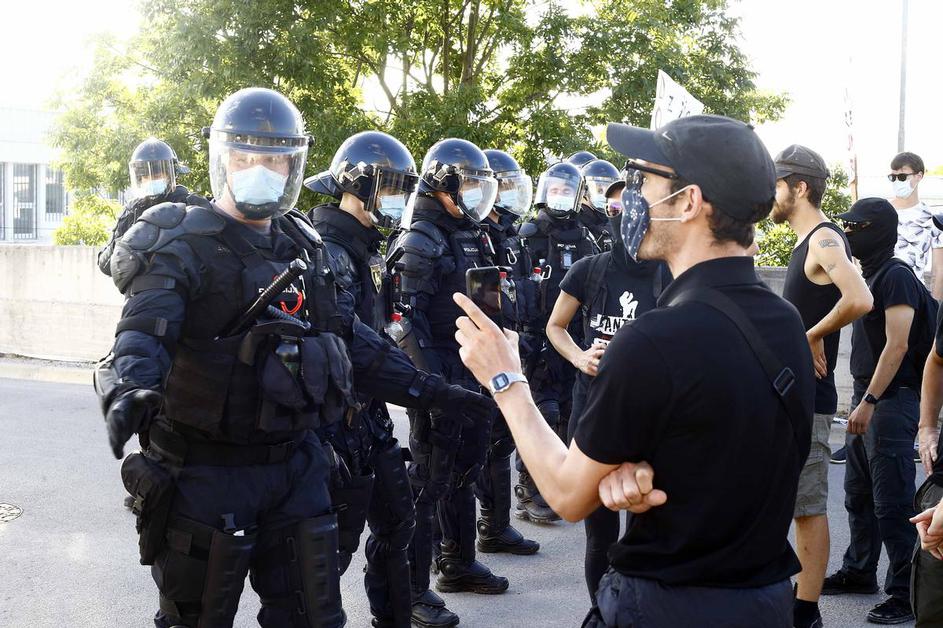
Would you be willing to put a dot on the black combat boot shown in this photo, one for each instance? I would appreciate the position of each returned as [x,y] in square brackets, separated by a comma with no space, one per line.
[457,574]
[495,534]
[530,505]
[429,611]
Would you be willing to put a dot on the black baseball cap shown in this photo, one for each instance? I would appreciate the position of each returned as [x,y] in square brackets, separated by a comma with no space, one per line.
[798,159]
[724,157]
[871,209]
[938,221]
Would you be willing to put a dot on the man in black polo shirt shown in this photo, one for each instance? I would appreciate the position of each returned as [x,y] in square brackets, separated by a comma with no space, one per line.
[829,293]
[880,474]
[683,388]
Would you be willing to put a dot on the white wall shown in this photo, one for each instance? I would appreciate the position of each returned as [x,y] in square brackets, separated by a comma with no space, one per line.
[55,303]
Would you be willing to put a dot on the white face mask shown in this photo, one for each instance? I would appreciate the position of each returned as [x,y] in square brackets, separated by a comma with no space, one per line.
[471,198]
[560,202]
[155,187]
[392,205]
[902,189]
[599,200]
[257,185]
[508,198]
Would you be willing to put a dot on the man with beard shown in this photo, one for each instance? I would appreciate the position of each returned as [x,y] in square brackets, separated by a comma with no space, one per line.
[880,474]
[829,293]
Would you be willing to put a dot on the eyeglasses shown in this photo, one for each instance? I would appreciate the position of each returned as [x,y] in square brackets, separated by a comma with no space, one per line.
[855,226]
[634,170]
[903,176]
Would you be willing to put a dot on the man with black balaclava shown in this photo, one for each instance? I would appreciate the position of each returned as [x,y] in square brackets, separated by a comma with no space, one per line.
[493,488]
[598,175]
[153,168]
[880,474]
[555,240]
[443,239]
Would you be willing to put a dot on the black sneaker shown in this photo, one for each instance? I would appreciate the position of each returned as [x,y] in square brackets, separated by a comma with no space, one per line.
[842,582]
[839,456]
[893,610]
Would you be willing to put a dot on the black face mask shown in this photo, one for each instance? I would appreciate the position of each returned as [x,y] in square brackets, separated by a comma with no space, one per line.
[873,245]
[615,229]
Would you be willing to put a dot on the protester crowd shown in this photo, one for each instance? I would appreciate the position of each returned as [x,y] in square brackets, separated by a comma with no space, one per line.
[639,359]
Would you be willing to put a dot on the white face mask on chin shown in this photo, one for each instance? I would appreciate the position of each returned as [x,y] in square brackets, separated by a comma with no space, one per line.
[903,189]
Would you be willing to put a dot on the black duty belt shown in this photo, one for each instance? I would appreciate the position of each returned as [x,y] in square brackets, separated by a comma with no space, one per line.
[189,452]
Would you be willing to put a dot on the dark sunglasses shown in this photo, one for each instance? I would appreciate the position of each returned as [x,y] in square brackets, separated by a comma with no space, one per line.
[903,176]
[634,170]
[855,226]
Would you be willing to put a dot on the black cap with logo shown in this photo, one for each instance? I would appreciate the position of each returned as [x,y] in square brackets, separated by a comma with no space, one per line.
[724,157]
[798,159]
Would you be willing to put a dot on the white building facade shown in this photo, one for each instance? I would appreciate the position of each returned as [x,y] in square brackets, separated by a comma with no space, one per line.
[33,198]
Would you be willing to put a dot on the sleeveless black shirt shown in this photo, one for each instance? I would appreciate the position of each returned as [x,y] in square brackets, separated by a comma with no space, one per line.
[814,302]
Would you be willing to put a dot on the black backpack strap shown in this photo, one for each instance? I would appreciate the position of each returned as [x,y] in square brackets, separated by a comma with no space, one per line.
[781,377]
[595,281]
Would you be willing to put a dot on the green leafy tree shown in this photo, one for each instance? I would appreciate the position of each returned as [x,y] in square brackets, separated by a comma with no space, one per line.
[497,72]
[89,222]
[777,241]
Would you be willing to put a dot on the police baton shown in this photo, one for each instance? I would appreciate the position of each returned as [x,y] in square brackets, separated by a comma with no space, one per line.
[279,284]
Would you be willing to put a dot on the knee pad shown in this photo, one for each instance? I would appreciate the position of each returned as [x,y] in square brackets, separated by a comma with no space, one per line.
[201,578]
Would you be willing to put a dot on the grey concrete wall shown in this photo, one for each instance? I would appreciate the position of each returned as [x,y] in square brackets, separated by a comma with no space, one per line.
[55,303]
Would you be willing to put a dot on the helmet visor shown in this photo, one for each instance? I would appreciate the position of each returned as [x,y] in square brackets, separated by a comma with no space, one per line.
[515,194]
[559,193]
[262,181]
[152,178]
[391,195]
[476,195]
[596,192]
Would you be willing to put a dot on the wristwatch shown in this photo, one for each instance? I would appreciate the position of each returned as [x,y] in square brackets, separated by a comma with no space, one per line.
[502,381]
[869,398]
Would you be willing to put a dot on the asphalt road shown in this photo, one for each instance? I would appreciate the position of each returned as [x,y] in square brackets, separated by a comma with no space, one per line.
[70,559]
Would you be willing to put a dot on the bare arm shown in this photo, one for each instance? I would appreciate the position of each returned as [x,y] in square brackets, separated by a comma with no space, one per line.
[568,479]
[856,300]
[936,260]
[931,401]
[563,312]
[897,329]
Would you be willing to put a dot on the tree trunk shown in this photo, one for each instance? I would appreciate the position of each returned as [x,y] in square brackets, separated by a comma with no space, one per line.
[468,64]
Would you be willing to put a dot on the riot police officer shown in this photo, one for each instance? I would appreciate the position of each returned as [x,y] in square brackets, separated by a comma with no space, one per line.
[232,479]
[555,241]
[456,191]
[371,176]
[598,175]
[153,172]
[493,488]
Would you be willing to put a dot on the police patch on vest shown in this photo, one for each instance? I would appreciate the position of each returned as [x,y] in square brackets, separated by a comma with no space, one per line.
[470,249]
[376,272]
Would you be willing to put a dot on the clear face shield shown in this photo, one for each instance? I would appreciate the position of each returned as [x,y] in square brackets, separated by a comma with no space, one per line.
[477,194]
[262,176]
[560,194]
[595,193]
[151,179]
[391,196]
[515,193]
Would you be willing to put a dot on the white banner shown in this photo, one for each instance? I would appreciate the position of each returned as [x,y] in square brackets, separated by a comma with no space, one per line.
[672,102]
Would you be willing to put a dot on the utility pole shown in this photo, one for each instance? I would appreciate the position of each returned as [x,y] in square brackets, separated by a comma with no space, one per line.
[903,78]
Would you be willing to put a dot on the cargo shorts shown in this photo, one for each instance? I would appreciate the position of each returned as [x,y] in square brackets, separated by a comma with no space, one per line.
[812,496]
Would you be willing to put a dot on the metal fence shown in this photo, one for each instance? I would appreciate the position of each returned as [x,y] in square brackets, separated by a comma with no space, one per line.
[24,202]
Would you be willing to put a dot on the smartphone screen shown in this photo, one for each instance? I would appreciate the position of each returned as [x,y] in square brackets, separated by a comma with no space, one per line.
[483,287]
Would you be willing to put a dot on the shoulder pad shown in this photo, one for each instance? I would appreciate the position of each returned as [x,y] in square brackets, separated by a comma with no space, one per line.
[344,272]
[304,224]
[429,230]
[528,230]
[418,242]
[155,229]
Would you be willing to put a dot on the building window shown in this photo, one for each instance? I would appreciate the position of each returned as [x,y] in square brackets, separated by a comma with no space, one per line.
[55,192]
[24,202]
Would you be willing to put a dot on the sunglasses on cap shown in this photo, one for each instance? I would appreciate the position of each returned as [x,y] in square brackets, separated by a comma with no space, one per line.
[850,226]
[903,176]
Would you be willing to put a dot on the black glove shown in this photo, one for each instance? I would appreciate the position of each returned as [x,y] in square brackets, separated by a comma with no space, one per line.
[473,408]
[128,414]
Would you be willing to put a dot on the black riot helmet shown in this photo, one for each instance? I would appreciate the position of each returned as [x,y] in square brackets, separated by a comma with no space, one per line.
[581,158]
[559,190]
[258,149]
[598,175]
[153,169]
[461,170]
[377,169]
[515,187]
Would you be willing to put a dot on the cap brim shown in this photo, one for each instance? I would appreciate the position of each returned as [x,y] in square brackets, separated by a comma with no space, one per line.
[614,187]
[849,216]
[183,169]
[938,221]
[636,143]
[782,173]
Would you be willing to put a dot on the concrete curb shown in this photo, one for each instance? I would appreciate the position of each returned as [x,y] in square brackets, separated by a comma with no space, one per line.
[46,371]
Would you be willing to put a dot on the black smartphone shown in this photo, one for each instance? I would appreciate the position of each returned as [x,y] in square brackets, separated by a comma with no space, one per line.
[483,287]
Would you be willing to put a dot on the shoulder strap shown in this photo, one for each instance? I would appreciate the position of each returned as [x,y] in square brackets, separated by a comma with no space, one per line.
[595,281]
[782,378]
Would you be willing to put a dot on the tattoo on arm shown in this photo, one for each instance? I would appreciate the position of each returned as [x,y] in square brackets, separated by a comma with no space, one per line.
[830,268]
[827,244]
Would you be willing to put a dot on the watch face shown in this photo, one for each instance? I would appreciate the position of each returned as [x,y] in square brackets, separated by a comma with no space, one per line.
[500,381]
